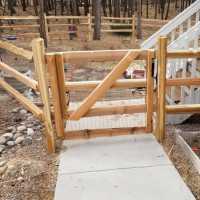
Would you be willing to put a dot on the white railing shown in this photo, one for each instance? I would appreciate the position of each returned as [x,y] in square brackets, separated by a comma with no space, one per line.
[183,32]
[185,67]
[188,17]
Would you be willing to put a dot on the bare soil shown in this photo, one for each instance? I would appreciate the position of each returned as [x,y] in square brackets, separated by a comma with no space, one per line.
[185,168]
[31,172]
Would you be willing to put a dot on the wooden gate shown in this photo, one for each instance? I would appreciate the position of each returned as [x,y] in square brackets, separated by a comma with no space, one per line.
[60,90]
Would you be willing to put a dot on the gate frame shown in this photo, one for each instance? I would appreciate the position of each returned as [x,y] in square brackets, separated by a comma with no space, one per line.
[55,64]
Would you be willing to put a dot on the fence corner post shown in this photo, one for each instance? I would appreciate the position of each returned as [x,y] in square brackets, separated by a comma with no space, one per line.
[149,95]
[56,75]
[161,88]
[41,72]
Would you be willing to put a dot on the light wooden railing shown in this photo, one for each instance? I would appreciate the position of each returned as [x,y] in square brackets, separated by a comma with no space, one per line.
[59,89]
[163,83]
[41,85]
[99,88]
[53,65]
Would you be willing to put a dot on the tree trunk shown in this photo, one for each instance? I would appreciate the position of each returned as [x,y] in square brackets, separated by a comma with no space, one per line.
[43,30]
[97,20]
[139,31]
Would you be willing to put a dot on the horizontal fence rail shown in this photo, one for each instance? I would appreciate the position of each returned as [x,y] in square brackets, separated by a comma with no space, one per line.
[122,84]
[163,83]
[19,76]
[16,50]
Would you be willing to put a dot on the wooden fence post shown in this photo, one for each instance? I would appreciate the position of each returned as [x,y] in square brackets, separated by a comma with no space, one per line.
[41,71]
[89,27]
[61,82]
[58,100]
[133,39]
[149,96]
[161,91]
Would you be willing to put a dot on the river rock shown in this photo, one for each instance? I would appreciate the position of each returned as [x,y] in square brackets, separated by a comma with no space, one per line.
[2,140]
[10,128]
[8,136]
[30,132]
[10,143]
[23,112]
[21,128]
[15,110]
[3,170]
[2,148]
[17,135]
[2,163]
[19,140]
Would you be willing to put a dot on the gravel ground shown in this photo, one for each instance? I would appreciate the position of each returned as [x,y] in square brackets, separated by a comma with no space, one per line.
[30,171]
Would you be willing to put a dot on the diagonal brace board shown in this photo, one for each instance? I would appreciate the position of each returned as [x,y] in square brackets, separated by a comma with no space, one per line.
[105,85]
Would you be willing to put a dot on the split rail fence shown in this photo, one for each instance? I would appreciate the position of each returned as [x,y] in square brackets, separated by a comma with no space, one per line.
[60,111]
[57,27]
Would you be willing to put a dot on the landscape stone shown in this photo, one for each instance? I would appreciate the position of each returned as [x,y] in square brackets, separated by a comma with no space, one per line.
[20,179]
[2,163]
[19,140]
[10,143]
[10,128]
[23,111]
[30,132]
[29,125]
[8,136]
[2,140]
[17,135]
[3,170]
[21,128]
[2,148]
[15,110]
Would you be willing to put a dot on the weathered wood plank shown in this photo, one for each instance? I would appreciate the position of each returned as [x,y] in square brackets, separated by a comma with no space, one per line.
[114,110]
[87,134]
[59,120]
[41,70]
[122,84]
[149,95]
[161,91]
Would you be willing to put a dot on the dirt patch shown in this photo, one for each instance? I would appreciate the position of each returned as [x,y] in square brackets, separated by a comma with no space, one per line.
[182,164]
[30,172]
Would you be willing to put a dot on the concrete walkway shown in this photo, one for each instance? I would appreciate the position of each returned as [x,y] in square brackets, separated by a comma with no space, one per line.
[118,168]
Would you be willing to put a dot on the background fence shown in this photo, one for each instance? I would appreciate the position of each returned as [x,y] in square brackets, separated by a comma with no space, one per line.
[59,27]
